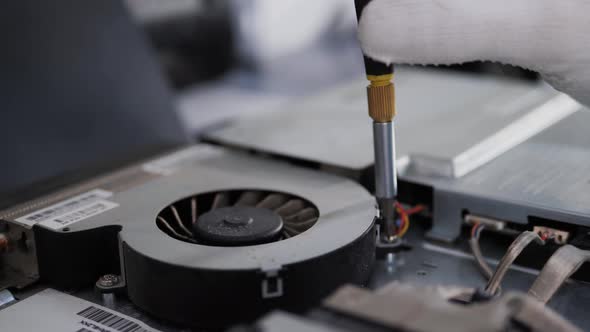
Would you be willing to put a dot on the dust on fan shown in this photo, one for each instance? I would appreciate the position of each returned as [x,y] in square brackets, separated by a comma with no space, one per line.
[237,217]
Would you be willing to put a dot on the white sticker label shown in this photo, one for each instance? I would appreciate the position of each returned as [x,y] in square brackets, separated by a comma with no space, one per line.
[82,213]
[171,163]
[71,210]
[57,311]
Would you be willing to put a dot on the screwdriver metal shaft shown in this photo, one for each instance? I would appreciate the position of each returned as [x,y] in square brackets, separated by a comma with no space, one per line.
[381,102]
[385,175]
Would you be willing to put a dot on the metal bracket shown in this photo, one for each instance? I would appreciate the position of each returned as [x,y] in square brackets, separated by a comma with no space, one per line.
[272,284]
[6,298]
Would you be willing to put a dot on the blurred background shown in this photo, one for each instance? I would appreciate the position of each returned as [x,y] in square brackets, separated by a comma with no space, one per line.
[89,86]
[228,57]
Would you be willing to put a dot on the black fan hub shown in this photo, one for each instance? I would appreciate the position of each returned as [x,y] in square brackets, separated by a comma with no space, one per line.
[238,226]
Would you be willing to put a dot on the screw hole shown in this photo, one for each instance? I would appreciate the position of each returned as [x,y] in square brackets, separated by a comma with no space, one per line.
[421,273]
[67,229]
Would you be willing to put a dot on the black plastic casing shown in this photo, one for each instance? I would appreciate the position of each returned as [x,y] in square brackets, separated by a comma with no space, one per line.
[207,293]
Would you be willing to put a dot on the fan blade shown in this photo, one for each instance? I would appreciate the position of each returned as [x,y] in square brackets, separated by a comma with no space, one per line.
[193,210]
[248,198]
[304,225]
[272,201]
[172,232]
[220,200]
[291,207]
[301,216]
[179,221]
[302,220]
[290,231]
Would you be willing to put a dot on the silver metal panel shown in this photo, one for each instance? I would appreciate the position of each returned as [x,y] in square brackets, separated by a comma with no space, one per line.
[547,176]
[6,298]
[51,311]
[284,322]
[550,170]
[445,122]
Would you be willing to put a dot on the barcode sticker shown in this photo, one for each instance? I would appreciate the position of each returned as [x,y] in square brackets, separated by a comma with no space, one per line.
[56,311]
[111,320]
[71,210]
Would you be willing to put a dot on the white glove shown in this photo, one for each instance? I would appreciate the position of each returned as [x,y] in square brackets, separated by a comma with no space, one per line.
[551,37]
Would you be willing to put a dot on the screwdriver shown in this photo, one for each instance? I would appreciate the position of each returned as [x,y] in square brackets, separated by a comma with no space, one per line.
[381,102]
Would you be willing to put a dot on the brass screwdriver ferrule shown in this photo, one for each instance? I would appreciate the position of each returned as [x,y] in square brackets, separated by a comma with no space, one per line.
[381,98]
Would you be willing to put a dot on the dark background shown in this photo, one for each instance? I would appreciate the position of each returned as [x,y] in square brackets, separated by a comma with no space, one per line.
[79,93]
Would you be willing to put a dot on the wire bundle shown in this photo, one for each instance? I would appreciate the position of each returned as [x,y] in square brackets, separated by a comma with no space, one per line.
[476,230]
[484,267]
[403,222]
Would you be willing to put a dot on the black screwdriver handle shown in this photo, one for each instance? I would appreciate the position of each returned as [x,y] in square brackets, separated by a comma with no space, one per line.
[372,67]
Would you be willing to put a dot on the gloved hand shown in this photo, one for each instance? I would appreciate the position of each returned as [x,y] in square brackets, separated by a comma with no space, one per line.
[551,37]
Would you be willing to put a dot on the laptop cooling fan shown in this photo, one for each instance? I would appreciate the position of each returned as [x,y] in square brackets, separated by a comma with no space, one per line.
[224,232]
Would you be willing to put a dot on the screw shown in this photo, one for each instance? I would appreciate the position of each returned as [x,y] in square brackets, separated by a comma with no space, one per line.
[108,280]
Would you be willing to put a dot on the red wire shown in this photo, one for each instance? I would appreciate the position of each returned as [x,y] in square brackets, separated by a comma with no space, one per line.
[403,213]
[415,209]
[412,210]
